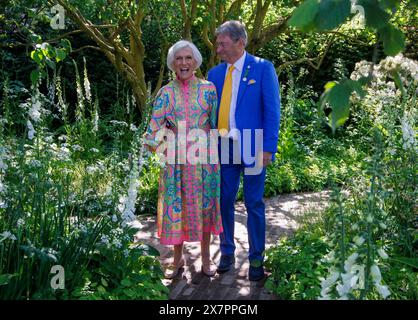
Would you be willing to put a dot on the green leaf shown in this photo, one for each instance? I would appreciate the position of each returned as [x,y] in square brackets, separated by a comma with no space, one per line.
[332,13]
[101,289]
[393,40]
[329,85]
[66,44]
[304,15]
[37,56]
[389,4]
[339,98]
[34,76]
[104,282]
[376,17]
[126,282]
[412,262]
[5,278]
[398,81]
[60,55]
[50,63]
[364,80]
[145,249]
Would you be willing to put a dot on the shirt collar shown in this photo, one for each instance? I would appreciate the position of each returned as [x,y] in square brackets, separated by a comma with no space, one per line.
[239,64]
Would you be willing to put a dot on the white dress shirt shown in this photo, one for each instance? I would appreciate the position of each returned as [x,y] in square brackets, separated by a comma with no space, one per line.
[236,78]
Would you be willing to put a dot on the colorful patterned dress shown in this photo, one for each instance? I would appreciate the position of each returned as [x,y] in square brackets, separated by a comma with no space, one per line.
[188,197]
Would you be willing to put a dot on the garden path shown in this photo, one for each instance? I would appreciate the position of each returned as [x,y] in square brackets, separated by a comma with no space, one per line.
[282,214]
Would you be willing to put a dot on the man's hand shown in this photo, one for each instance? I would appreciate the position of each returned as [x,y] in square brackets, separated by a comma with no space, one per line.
[266,158]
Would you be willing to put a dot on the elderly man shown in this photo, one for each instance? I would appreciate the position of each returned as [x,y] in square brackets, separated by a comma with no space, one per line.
[248,123]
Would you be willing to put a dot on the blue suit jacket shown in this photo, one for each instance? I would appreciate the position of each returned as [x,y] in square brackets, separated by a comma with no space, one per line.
[258,102]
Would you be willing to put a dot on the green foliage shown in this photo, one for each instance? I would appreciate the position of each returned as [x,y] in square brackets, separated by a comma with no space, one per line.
[118,276]
[338,95]
[296,266]
[328,14]
[304,17]
[64,201]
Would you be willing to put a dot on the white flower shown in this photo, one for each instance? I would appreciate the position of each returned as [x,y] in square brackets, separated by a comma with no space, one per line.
[408,133]
[343,289]
[114,218]
[359,240]
[375,272]
[117,244]
[359,271]
[35,163]
[35,111]
[119,123]
[76,147]
[382,253]
[20,222]
[383,290]
[348,264]
[328,282]
[91,169]
[7,235]
[382,225]
[104,239]
[87,87]
[31,130]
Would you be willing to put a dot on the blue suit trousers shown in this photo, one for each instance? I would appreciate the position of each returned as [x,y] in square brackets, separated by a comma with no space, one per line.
[253,198]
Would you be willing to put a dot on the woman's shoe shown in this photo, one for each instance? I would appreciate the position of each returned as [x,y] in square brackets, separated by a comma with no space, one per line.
[209,271]
[172,271]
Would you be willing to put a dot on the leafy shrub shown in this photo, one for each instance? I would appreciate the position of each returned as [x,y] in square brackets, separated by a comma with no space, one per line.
[296,266]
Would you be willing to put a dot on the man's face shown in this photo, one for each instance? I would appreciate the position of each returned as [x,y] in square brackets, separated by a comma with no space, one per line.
[229,50]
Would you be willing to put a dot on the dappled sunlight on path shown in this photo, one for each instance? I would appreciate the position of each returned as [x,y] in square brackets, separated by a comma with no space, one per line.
[281,219]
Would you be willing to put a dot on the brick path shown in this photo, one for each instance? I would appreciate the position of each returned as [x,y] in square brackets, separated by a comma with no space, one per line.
[281,219]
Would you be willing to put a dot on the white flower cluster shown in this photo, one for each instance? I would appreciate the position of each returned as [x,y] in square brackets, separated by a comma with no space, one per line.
[353,278]
[377,279]
[119,123]
[382,90]
[408,132]
[7,235]
[35,110]
[127,203]
[86,83]
[3,168]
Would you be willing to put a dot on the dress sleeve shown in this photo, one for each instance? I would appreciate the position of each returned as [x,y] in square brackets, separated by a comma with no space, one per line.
[158,119]
[213,105]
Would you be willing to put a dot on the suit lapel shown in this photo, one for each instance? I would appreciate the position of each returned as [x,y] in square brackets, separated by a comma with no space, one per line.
[245,76]
[221,80]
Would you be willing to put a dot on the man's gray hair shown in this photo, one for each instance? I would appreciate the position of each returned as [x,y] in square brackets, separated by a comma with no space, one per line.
[181,45]
[234,29]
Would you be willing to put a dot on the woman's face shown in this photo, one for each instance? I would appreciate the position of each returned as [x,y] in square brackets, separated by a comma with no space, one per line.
[184,63]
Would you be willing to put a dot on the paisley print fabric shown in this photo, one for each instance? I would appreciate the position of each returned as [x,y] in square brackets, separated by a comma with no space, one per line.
[189,193]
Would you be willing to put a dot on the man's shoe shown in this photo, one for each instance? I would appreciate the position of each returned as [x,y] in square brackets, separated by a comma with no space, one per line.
[225,263]
[256,273]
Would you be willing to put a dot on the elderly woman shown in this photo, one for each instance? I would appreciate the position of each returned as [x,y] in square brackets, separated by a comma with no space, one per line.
[189,191]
